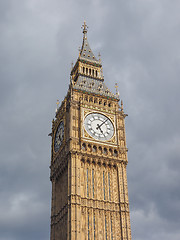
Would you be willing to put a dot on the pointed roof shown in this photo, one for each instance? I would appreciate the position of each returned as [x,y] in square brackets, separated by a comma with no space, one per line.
[92,85]
[86,52]
[86,75]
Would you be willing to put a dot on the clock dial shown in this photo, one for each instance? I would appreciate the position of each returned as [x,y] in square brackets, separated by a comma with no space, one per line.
[99,126]
[59,136]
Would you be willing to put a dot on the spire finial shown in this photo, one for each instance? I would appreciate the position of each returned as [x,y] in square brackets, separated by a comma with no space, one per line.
[121,105]
[57,103]
[79,49]
[99,55]
[84,27]
[117,92]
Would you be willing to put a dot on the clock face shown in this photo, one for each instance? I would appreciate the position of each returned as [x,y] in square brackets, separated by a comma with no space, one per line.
[99,126]
[59,136]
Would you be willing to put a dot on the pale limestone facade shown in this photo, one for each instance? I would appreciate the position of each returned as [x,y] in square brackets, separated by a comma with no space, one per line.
[89,182]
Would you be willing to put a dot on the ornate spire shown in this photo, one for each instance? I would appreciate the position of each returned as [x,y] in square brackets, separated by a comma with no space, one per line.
[86,52]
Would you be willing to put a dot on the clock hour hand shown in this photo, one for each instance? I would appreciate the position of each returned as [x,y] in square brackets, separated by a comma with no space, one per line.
[99,127]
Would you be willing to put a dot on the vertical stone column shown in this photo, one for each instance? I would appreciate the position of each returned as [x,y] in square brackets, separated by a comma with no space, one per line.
[72,195]
[126,204]
[78,196]
[69,200]
[122,202]
[52,237]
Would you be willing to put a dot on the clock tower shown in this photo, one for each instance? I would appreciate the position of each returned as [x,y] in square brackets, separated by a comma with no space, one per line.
[89,158]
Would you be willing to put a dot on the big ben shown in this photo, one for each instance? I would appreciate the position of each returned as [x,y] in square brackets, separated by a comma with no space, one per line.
[89,158]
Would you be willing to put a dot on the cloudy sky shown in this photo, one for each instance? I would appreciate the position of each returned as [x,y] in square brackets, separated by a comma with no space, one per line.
[139,43]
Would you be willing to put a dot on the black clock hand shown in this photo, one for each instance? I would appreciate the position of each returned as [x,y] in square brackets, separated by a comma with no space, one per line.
[98,126]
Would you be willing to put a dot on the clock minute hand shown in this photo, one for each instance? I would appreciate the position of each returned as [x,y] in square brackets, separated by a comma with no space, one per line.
[98,126]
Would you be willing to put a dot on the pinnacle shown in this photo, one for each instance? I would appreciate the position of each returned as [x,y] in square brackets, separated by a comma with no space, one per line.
[86,52]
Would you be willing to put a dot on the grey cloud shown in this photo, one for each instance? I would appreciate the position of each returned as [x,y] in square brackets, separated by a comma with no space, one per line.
[139,44]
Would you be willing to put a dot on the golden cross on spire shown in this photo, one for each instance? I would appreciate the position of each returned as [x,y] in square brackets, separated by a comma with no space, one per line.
[116,86]
[117,93]
[57,103]
[84,27]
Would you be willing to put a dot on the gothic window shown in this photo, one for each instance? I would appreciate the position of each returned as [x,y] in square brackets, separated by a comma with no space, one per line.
[104,186]
[109,183]
[87,184]
[89,148]
[115,153]
[93,72]
[94,149]
[105,103]
[96,73]
[86,70]
[111,230]
[91,99]
[110,151]
[100,150]
[95,100]
[105,151]
[83,69]
[84,147]
[88,228]
[89,71]
[93,181]
[105,228]
[94,227]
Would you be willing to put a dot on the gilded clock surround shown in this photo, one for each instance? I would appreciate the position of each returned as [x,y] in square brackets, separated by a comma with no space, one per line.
[89,182]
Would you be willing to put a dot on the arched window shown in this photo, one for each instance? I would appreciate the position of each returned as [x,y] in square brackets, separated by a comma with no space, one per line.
[94,149]
[105,151]
[100,150]
[91,99]
[115,153]
[89,147]
[84,147]
[110,152]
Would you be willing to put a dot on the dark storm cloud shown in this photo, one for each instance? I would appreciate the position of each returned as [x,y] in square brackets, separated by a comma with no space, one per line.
[139,43]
